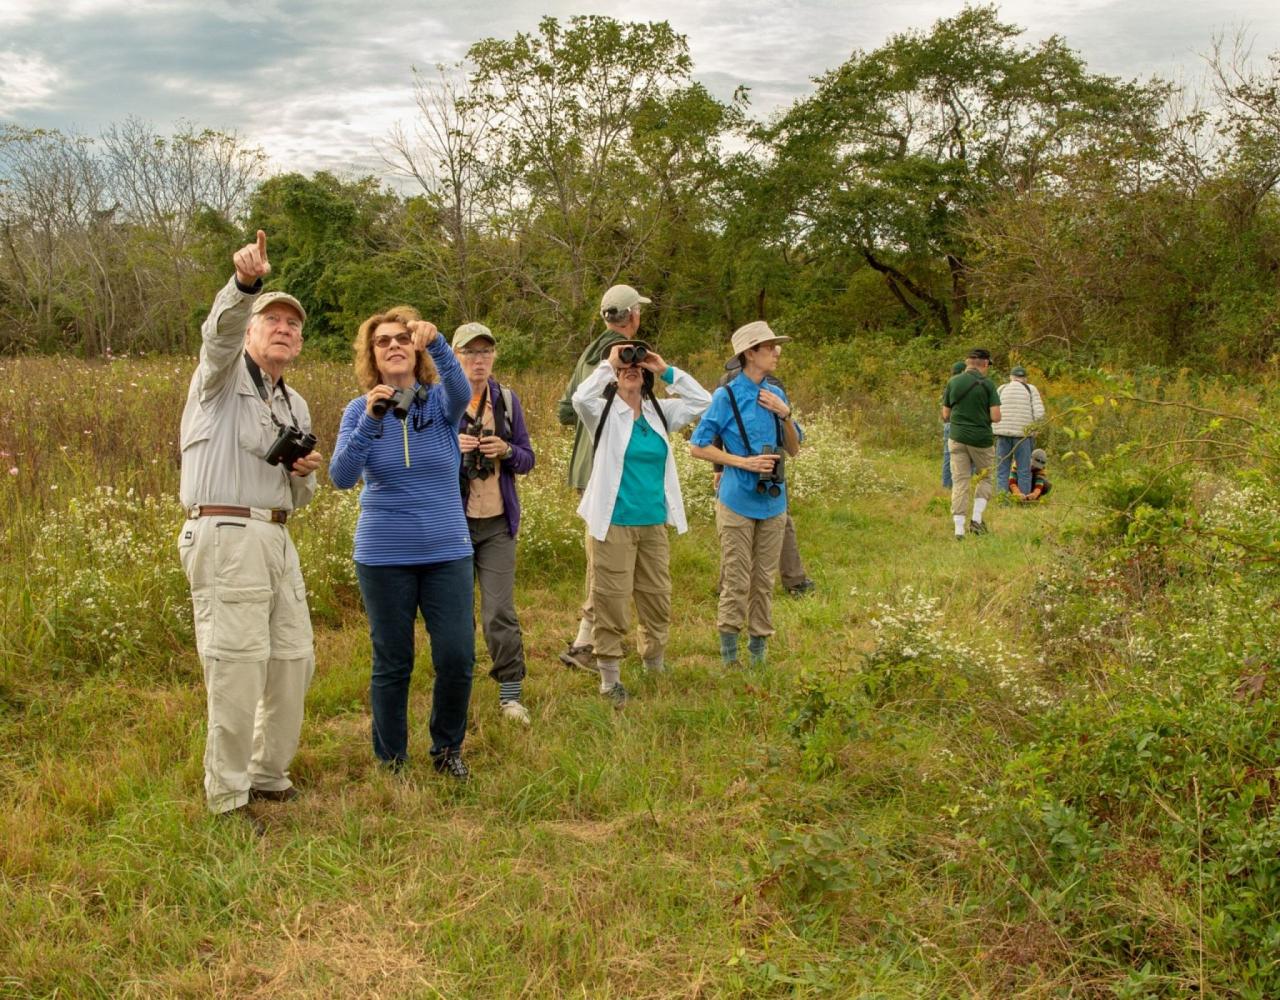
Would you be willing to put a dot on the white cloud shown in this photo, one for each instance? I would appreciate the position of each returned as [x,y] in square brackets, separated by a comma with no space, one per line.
[26,81]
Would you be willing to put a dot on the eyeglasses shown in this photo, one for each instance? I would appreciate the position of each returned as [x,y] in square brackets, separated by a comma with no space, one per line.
[476,352]
[384,340]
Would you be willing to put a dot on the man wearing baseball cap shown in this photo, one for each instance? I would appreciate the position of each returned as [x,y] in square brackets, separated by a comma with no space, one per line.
[755,426]
[620,310]
[247,464]
[971,404]
[1020,407]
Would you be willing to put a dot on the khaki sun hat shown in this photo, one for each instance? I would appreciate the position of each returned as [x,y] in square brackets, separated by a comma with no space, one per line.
[620,298]
[469,332]
[270,298]
[753,335]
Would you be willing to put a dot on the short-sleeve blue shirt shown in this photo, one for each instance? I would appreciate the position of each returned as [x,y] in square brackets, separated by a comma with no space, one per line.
[738,487]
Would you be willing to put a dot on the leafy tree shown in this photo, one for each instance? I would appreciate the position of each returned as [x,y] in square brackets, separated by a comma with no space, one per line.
[882,164]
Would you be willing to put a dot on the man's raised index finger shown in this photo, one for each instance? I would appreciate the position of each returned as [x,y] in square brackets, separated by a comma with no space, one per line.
[262,244]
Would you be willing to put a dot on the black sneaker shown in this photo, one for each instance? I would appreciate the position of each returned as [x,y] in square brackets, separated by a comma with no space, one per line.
[273,795]
[451,763]
[803,588]
[241,814]
[580,658]
[977,528]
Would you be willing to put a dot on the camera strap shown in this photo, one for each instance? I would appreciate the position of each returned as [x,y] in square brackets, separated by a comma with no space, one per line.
[260,384]
[610,392]
[742,427]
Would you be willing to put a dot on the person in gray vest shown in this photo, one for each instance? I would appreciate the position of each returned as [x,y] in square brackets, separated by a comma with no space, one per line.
[971,405]
[1020,407]
[620,310]
[248,462]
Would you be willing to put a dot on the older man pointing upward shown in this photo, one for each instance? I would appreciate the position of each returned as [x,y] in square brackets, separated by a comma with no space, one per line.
[248,462]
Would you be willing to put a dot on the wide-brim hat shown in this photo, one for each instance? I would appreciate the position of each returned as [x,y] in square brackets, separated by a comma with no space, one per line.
[469,332]
[270,298]
[755,335]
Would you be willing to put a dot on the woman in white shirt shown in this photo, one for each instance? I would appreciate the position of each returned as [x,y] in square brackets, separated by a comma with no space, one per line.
[632,495]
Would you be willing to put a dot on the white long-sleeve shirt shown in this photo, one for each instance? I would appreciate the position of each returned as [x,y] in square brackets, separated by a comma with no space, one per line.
[1020,405]
[686,401]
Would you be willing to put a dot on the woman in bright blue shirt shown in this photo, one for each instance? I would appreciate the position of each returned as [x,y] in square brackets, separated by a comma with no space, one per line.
[755,425]
[412,546]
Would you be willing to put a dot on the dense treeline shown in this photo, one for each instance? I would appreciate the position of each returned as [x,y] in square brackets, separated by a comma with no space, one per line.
[958,182]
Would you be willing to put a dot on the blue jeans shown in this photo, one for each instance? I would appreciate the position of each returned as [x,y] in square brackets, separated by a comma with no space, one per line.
[393,596]
[1019,449]
[946,455]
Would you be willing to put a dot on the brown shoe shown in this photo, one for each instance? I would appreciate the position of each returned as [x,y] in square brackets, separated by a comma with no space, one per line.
[580,658]
[273,795]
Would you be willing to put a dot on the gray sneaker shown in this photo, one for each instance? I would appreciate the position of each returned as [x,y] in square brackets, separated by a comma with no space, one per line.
[580,658]
[617,694]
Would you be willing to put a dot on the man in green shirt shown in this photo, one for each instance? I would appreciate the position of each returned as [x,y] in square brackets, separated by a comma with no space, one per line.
[971,404]
[620,310]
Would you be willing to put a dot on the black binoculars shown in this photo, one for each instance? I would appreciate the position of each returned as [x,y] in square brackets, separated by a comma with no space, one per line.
[771,482]
[476,464]
[398,403]
[290,445]
[632,354]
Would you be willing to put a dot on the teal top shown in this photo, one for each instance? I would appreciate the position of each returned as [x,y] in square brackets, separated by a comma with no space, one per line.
[642,494]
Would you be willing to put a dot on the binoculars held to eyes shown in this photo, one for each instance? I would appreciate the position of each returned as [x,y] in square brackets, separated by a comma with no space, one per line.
[290,445]
[771,482]
[398,403]
[632,354]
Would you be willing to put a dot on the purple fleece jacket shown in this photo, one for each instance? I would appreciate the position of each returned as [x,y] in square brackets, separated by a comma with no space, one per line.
[521,460]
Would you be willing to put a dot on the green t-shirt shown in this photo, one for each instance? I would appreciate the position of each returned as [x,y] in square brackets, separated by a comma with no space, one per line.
[642,494]
[971,397]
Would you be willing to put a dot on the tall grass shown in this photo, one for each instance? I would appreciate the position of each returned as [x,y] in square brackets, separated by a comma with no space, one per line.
[986,769]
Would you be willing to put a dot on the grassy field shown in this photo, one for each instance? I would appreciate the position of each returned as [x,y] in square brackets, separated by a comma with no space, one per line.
[827,826]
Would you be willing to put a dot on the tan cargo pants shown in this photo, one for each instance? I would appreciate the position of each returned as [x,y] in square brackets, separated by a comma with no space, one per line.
[749,554]
[632,562]
[253,634]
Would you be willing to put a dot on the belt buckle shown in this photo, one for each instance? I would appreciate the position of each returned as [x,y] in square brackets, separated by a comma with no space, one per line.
[193,512]
[279,516]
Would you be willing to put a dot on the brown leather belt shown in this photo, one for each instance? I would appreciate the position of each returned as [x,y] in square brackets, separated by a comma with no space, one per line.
[276,516]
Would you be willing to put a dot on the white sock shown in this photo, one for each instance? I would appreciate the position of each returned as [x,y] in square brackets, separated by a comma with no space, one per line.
[610,672]
[979,505]
[959,519]
[584,636]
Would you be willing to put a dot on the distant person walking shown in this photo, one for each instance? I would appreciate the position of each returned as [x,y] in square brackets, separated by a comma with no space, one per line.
[956,369]
[1020,407]
[620,310]
[970,405]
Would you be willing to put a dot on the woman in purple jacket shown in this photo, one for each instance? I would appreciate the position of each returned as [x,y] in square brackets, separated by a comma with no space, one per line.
[495,449]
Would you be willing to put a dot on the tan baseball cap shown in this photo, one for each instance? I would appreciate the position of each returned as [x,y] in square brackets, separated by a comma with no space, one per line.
[621,297]
[753,335]
[270,298]
[469,332]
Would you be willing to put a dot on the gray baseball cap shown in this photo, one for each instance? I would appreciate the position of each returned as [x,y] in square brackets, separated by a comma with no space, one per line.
[621,297]
[469,332]
[270,298]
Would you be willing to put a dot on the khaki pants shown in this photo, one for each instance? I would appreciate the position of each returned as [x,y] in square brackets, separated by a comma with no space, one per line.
[790,567]
[253,634]
[749,554]
[966,463]
[587,619]
[631,562]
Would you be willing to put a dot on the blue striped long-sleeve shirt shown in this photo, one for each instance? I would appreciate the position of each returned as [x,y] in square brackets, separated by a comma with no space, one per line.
[409,515]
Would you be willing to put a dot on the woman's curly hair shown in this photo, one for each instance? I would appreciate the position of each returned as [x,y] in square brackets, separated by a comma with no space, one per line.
[424,370]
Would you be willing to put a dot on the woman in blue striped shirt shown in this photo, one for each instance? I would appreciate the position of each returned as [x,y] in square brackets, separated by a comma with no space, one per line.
[412,547]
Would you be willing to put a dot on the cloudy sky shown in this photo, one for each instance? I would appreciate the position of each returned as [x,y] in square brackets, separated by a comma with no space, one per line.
[319,83]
